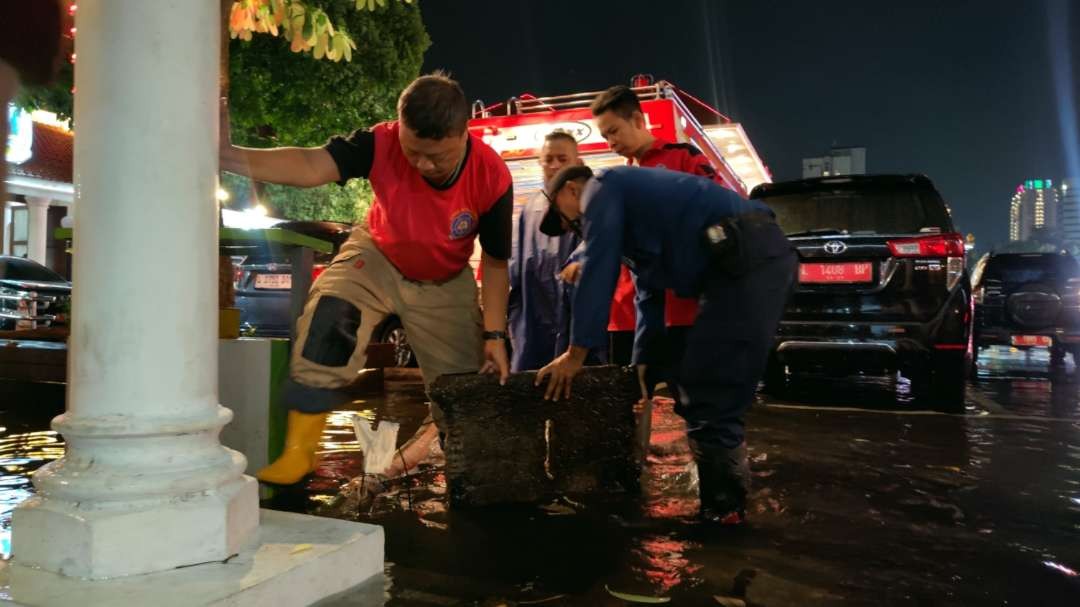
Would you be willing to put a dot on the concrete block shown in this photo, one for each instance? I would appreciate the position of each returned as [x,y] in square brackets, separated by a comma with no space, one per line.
[506,444]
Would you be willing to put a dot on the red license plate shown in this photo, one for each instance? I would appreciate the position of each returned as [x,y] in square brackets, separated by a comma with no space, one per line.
[836,272]
[1038,341]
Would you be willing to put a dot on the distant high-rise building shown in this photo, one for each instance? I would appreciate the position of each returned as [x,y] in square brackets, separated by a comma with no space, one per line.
[839,161]
[1070,209]
[1035,206]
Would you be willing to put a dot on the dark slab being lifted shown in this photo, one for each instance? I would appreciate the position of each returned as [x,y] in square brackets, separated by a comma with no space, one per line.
[507,444]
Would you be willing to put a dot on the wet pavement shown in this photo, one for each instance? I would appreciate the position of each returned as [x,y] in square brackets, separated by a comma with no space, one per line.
[860,498]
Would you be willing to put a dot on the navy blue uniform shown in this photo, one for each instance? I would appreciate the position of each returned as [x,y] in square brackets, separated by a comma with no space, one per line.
[654,221]
[539,306]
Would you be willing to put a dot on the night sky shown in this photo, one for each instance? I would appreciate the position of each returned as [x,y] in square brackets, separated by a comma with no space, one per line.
[960,90]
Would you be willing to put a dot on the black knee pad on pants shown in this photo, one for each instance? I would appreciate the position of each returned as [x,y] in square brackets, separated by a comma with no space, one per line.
[331,336]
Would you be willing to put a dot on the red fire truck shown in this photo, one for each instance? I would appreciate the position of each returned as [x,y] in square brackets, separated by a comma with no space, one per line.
[516,130]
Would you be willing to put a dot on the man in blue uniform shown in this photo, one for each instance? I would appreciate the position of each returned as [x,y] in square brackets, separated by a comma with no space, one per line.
[685,233]
[539,300]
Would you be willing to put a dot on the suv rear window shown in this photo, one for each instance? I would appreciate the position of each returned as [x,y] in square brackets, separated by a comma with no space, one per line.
[1020,269]
[873,210]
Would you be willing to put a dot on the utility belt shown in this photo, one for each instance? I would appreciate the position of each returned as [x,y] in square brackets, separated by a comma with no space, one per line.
[742,243]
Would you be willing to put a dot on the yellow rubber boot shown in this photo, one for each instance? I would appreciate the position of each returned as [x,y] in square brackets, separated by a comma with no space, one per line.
[301,442]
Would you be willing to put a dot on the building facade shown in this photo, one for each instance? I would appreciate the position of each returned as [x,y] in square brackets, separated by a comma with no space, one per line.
[1070,209]
[1035,206]
[839,161]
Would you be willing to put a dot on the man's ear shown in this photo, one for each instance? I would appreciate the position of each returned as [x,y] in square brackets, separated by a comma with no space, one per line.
[639,119]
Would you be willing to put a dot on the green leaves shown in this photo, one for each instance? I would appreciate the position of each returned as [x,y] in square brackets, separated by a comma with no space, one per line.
[307,27]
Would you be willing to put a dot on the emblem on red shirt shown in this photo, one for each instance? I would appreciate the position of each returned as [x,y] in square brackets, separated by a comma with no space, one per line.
[462,224]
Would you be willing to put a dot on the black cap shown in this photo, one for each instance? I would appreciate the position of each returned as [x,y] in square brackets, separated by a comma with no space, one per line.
[551,225]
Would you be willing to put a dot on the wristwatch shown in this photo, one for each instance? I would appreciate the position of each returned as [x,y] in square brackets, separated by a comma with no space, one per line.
[492,335]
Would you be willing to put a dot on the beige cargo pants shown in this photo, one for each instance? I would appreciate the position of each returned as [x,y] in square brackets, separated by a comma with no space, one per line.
[351,298]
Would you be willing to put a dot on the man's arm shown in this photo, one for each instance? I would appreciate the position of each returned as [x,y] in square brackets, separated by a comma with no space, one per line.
[517,249]
[301,167]
[494,292]
[601,256]
[592,297]
[495,239]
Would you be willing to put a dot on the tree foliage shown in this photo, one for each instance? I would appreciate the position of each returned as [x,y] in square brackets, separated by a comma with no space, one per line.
[305,24]
[278,97]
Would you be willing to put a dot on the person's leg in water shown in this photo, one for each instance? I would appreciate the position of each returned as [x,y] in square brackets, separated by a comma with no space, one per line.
[346,303]
[725,357]
[444,327]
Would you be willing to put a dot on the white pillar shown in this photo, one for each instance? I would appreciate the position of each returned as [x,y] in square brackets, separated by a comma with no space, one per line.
[38,228]
[145,484]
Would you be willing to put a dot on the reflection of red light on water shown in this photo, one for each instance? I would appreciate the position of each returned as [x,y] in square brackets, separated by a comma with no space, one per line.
[672,508]
[664,562]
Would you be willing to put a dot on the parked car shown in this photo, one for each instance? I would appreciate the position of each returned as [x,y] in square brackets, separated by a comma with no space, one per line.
[263,280]
[1027,300]
[31,295]
[881,284]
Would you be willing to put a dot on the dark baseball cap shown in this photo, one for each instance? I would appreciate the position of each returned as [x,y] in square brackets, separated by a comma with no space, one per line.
[551,225]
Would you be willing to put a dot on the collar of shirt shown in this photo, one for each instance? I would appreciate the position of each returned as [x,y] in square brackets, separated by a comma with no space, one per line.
[657,147]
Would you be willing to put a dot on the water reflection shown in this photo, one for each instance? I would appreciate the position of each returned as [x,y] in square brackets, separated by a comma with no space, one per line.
[20,456]
[847,506]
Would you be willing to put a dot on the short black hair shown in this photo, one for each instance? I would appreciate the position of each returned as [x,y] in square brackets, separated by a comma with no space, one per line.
[558,134]
[434,107]
[574,172]
[618,99]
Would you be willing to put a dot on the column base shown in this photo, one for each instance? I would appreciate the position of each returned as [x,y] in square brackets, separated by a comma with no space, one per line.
[112,540]
[296,560]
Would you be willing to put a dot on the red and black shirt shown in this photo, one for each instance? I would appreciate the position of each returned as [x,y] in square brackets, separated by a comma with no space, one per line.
[426,230]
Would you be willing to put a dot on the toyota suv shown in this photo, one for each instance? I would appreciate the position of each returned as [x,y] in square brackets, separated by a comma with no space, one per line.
[881,285]
[1027,300]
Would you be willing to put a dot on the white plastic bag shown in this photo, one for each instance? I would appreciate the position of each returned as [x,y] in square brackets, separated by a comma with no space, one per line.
[376,443]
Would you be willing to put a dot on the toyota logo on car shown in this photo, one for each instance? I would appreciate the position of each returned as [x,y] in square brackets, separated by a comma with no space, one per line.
[835,247]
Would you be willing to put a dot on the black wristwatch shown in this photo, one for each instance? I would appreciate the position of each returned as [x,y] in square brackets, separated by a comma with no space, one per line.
[492,335]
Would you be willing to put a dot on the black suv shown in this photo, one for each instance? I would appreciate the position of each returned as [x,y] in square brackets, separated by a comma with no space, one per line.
[881,284]
[1028,300]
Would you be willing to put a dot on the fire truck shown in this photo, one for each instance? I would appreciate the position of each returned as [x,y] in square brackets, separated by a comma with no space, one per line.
[516,129]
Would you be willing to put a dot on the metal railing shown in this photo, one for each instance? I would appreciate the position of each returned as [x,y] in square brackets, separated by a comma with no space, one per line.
[529,104]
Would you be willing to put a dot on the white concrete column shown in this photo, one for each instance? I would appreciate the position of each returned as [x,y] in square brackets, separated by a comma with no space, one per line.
[145,485]
[38,228]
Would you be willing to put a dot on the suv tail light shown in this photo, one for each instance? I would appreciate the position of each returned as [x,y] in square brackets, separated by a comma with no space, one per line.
[950,246]
[933,245]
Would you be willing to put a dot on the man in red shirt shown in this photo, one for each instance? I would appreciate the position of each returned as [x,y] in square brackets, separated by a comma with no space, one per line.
[621,121]
[437,188]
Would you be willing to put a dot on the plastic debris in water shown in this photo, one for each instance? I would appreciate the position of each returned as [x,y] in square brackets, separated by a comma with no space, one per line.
[377,444]
[637,598]
[1061,568]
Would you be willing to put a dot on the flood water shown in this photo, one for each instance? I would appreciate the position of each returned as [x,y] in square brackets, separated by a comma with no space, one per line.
[859,499]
